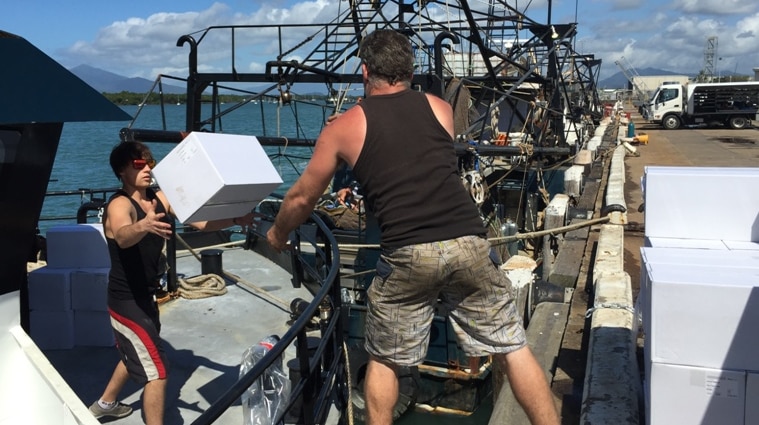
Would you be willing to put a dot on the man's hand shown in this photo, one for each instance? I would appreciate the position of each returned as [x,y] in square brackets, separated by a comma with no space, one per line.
[277,240]
[346,199]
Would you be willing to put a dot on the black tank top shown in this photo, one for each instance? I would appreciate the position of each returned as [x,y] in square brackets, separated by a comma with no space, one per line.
[136,270]
[408,172]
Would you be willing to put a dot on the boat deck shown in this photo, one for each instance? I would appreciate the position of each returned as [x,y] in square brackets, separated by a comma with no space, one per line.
[204,340]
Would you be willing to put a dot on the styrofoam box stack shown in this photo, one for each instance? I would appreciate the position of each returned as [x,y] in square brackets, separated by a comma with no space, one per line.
[702,203]
[702,315]
[699,295]
[51,318]
[701,346]
[694,395]
[77,246]
[67,298]
[211,176]
[89,295]
[690,268]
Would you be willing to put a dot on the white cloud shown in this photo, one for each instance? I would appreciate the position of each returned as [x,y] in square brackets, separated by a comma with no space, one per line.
[664,35]
[718,7]
[133,46]
[676,42]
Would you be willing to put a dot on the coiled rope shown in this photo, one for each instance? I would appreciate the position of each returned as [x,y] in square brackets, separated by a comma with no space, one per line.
[203,286]
[208,285]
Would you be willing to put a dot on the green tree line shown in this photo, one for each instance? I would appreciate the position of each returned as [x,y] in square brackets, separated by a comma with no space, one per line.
[130,98]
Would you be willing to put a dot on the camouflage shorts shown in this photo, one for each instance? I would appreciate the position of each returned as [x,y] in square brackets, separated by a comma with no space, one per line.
[460,275]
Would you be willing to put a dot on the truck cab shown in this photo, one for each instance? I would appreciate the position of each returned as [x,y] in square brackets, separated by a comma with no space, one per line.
[666,106]
[734,105]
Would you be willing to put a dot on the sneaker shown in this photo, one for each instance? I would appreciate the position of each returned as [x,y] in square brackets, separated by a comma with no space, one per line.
[119,410]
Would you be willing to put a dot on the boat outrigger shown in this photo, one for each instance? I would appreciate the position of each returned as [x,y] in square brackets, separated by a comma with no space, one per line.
[525,103]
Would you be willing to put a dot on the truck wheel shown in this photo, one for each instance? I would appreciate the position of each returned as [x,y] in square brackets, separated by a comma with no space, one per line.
[738,122]
[671,122]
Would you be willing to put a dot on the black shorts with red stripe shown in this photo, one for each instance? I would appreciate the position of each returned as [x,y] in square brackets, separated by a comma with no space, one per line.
[136,326]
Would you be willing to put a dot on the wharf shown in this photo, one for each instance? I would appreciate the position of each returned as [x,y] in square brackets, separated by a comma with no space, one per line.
[704,147]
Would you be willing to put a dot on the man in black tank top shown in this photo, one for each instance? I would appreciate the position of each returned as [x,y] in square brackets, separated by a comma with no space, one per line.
[137,222]
[399,144]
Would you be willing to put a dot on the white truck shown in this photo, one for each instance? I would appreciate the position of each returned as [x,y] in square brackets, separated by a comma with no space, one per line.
[731,104]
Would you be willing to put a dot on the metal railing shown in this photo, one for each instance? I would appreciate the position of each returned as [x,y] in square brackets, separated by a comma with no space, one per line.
[322,369]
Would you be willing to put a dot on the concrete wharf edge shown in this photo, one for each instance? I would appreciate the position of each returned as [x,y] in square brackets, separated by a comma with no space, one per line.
[611,388]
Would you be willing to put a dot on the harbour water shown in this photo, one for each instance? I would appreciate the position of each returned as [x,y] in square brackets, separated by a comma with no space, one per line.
[84,149]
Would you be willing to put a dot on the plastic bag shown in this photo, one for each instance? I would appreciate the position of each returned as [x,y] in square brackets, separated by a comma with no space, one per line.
[266,398]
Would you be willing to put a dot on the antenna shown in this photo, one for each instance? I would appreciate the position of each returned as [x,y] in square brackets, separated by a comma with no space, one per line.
[710,52]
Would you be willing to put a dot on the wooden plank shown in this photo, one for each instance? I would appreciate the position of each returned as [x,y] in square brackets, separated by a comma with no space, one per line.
[587,200]
[544,334]
[566,267]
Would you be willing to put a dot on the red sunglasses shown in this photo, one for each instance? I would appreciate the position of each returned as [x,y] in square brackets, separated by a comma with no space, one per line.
[139,164]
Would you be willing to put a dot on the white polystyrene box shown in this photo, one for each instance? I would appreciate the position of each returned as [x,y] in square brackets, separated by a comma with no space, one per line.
[702,315]
[212,176]
[50,289]
[573,180]
[700,257]
[52,330]
[89,289]
[702,203]
[742,246]
[93,328]
[692,395]
[713,244]
[77,245]
[691,257]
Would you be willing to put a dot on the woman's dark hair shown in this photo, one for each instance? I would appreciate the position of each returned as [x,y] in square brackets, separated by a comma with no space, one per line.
[123,154]
[388,56]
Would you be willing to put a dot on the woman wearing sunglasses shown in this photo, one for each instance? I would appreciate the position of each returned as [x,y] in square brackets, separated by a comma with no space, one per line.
[137,222]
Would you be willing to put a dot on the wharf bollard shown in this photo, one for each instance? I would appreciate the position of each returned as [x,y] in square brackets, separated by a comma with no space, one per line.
[210,262]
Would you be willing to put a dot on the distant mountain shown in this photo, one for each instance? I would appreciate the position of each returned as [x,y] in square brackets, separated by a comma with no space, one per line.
[108,82]
[619,81]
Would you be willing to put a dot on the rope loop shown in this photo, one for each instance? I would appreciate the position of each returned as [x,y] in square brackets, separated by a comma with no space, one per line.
[202,286]
[614,306]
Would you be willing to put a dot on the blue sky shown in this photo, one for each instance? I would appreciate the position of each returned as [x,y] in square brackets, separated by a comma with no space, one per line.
[138,38]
